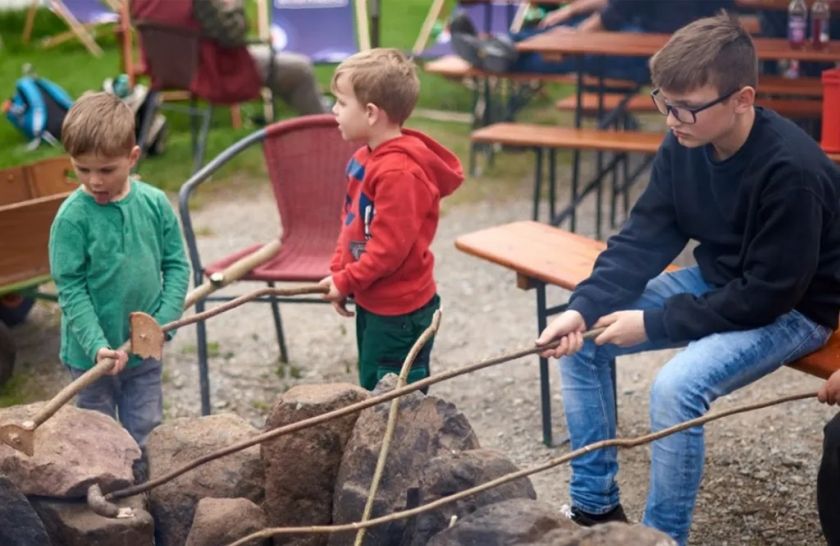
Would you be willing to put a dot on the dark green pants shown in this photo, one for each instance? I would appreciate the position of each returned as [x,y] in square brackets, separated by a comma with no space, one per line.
[384,342]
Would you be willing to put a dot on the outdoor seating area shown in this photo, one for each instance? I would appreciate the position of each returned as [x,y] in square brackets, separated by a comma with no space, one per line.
[586,250]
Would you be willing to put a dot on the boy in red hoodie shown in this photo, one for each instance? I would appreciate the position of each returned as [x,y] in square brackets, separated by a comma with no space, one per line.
[395,182]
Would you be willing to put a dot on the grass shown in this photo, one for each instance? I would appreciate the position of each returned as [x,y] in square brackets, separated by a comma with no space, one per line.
[72,67]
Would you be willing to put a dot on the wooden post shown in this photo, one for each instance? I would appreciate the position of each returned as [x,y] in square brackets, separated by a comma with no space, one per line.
[362,27]
[428,24]
[30,21]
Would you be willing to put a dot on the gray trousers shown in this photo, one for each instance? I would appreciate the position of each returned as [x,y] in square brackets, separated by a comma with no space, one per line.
[293,79]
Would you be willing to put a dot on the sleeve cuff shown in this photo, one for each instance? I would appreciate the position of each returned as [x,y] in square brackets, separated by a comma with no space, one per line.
[342,283]
[587,309]
[655,324]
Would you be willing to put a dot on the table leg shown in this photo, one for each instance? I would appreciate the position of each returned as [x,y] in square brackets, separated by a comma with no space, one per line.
[545,387]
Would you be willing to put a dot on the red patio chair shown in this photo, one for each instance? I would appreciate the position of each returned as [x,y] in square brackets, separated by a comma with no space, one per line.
[306,160]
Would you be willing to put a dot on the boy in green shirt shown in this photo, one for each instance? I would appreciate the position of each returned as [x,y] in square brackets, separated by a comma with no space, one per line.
[115,247]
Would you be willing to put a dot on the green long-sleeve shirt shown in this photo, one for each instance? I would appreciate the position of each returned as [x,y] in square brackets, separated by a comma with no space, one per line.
[110,260]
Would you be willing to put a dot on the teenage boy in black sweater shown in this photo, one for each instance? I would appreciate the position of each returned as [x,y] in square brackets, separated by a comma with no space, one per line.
[763,202]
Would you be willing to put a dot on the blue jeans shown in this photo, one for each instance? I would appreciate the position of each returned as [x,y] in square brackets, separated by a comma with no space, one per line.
[135,395]
[685,387]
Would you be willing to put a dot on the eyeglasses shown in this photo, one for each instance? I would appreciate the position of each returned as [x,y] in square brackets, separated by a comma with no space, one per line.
[682,113]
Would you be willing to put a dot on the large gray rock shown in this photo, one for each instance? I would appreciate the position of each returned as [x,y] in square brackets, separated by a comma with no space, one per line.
[73,523]
[74,449]
[427,427]
[454,472]
[608,534]
[507,523]
[19,523]
[223,521]
[180,441]
[300,468]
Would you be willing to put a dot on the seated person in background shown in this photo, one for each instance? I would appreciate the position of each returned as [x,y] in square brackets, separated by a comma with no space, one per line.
[229,70]
[661,16]
[828,479]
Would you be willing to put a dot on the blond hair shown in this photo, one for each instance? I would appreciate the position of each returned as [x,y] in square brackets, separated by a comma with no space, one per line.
[384,77]
[98,123]
[714,50]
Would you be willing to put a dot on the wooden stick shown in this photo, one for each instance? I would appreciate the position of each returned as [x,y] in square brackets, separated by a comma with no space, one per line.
[615,442]
[234,272]
[392,420]
[362,27]
[428,24]
[519,18]
[30,21]
[335,414]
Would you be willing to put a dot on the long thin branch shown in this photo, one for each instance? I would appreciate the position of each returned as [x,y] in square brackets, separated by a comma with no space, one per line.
[616,442]
[392,420]
[335,414]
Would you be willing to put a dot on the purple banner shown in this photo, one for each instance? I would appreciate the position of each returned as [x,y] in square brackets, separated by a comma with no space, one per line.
[492,18]
[89,11]
[324,30]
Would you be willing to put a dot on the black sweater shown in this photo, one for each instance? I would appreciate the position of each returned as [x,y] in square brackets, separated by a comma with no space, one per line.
[768,228]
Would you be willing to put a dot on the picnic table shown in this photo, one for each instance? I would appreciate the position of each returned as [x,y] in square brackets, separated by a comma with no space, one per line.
[559,43]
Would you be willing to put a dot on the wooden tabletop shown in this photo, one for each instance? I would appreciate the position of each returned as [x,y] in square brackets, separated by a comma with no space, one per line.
[553,136]
[558,257]
[536,251]
[560,41]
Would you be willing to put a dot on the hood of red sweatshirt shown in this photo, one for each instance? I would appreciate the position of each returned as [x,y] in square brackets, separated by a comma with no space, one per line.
[441,166]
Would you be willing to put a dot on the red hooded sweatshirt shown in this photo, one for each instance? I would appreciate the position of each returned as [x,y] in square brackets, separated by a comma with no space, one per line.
[390,216]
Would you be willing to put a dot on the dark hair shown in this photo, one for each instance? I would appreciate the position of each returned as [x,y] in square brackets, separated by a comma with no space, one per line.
[714,50]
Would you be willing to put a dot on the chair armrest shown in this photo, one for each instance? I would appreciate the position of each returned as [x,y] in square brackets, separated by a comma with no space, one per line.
[192,184]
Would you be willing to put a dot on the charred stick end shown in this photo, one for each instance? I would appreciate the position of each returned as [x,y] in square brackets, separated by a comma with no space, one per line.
[96,501]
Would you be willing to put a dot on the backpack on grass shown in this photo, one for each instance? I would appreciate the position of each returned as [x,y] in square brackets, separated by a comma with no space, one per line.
[37,109]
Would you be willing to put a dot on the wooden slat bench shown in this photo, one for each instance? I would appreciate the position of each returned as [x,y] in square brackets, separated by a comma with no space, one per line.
[551,138]
[542,255]
[792,108]
[454,67]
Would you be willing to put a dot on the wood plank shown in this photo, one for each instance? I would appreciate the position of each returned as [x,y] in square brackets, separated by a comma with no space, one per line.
[26,229]
[452,66]
[779,85]
[561,258]
[13,186]
[824,362]
[794,108]
[636,44]
[535,250]
[51,176]
[547,136]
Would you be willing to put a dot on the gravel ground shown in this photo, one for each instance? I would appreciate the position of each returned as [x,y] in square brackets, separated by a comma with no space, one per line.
[759,485]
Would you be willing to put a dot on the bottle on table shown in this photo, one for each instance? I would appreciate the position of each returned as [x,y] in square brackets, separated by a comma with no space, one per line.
[820,21]
[797,23]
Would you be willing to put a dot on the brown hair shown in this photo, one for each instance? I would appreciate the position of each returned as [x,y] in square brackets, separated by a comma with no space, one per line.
[714,50]
[384,77]
[98,123]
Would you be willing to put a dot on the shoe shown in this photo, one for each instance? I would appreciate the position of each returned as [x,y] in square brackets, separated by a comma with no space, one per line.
[467,46]
[462,24]
[497,54]
[585,519]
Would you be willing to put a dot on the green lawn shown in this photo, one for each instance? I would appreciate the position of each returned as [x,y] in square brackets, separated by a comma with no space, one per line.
[72,67]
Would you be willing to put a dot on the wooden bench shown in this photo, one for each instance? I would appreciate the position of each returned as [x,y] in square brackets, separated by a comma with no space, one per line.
[792,108]
[454,67]
[551,138]
[541,255]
